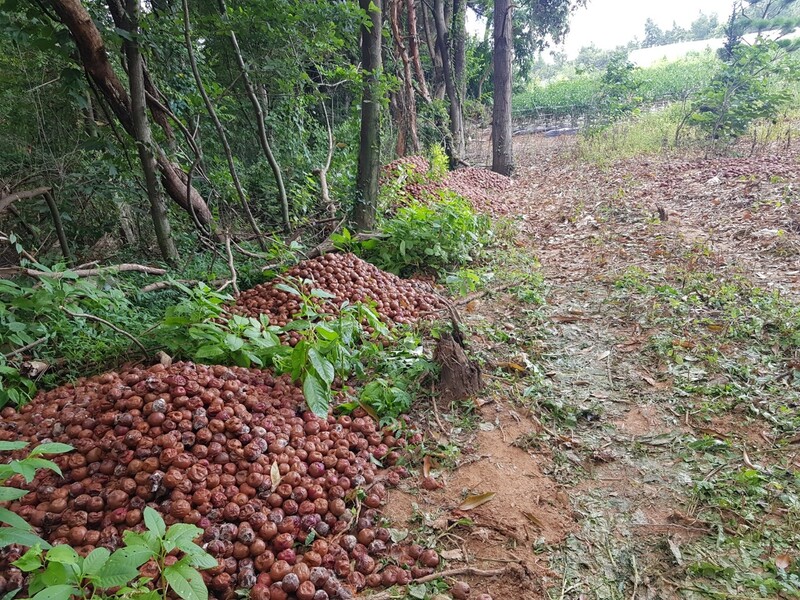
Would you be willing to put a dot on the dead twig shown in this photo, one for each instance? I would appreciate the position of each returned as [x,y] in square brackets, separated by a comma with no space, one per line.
[231,266]
[22,349]
[107,324]
[162,285]
[477,295]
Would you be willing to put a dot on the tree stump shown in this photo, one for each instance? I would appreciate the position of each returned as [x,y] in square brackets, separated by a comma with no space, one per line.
[460,377]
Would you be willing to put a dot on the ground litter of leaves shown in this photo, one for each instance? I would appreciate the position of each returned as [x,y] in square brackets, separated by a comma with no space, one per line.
[640,429]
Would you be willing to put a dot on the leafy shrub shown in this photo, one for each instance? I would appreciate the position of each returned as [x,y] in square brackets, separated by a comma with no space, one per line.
[432,237]
[34,317]
[750,86]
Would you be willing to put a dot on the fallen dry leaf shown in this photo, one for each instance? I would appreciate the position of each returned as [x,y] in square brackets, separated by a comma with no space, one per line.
[426,466]
[471,502]
[783,561]
[275,475]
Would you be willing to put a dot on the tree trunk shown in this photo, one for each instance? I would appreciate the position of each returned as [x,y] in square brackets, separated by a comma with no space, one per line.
[223,138]
[262,130]
[143,137]
[502,148]
[460,47]
[407,122]
[369,159]
[456,146]
[433,51]
[95,61]
[413,46]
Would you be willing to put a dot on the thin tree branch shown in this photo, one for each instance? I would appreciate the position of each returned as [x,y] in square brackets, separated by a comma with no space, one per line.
[107,324]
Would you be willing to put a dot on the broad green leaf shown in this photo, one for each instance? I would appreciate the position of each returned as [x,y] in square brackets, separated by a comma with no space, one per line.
[13,519]
[15,535]
[24,468]
[56,592]
[145,539]
[201,560]
[8,446]
[317,395]
[122,566]
[154,522]
[31,560]
[8,493]
[286,288]
[186,582]
[95,561]
[322,365]
[65,555]
[43,463]
[326,333]
[233,342]
[182,536]
[51,448]
[319,293]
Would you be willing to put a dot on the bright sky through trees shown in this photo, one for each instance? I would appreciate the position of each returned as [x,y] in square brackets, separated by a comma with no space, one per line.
[609,23]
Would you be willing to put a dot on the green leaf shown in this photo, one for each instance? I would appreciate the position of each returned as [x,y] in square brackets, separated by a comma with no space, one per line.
[51,448]
[41,463]
[15,535]
[8,446]
[13,519]
[154,522]
[65,555]
[186,582]
[31,560]
[8,494]
[146,539]
[182,536]
[317,395]
[95,561]
[11,595]
[233,342]
[286,288]
[322,366]
[201,559]
[319,293]
[122,566]
[56,592]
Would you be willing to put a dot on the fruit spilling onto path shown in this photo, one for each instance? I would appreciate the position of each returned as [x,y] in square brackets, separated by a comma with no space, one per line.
[288,502]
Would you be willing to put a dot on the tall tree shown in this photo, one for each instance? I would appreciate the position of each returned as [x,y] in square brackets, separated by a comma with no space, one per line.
[369,152]
[520,33]
[143,137]
[502,143]
[456,146]
[460,47]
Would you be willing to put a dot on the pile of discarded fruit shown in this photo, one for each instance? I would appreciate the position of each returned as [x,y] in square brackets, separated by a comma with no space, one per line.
[345,278]
[479,186]
[288,502]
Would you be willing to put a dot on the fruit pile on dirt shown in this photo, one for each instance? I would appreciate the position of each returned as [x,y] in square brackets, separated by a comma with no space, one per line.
[346,278]
[288,502]
[479,186]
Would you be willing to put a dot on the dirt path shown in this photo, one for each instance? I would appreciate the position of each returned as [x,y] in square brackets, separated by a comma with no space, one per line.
[640,426]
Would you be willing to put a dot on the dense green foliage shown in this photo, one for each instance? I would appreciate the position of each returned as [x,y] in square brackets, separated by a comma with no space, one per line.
[430,237]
